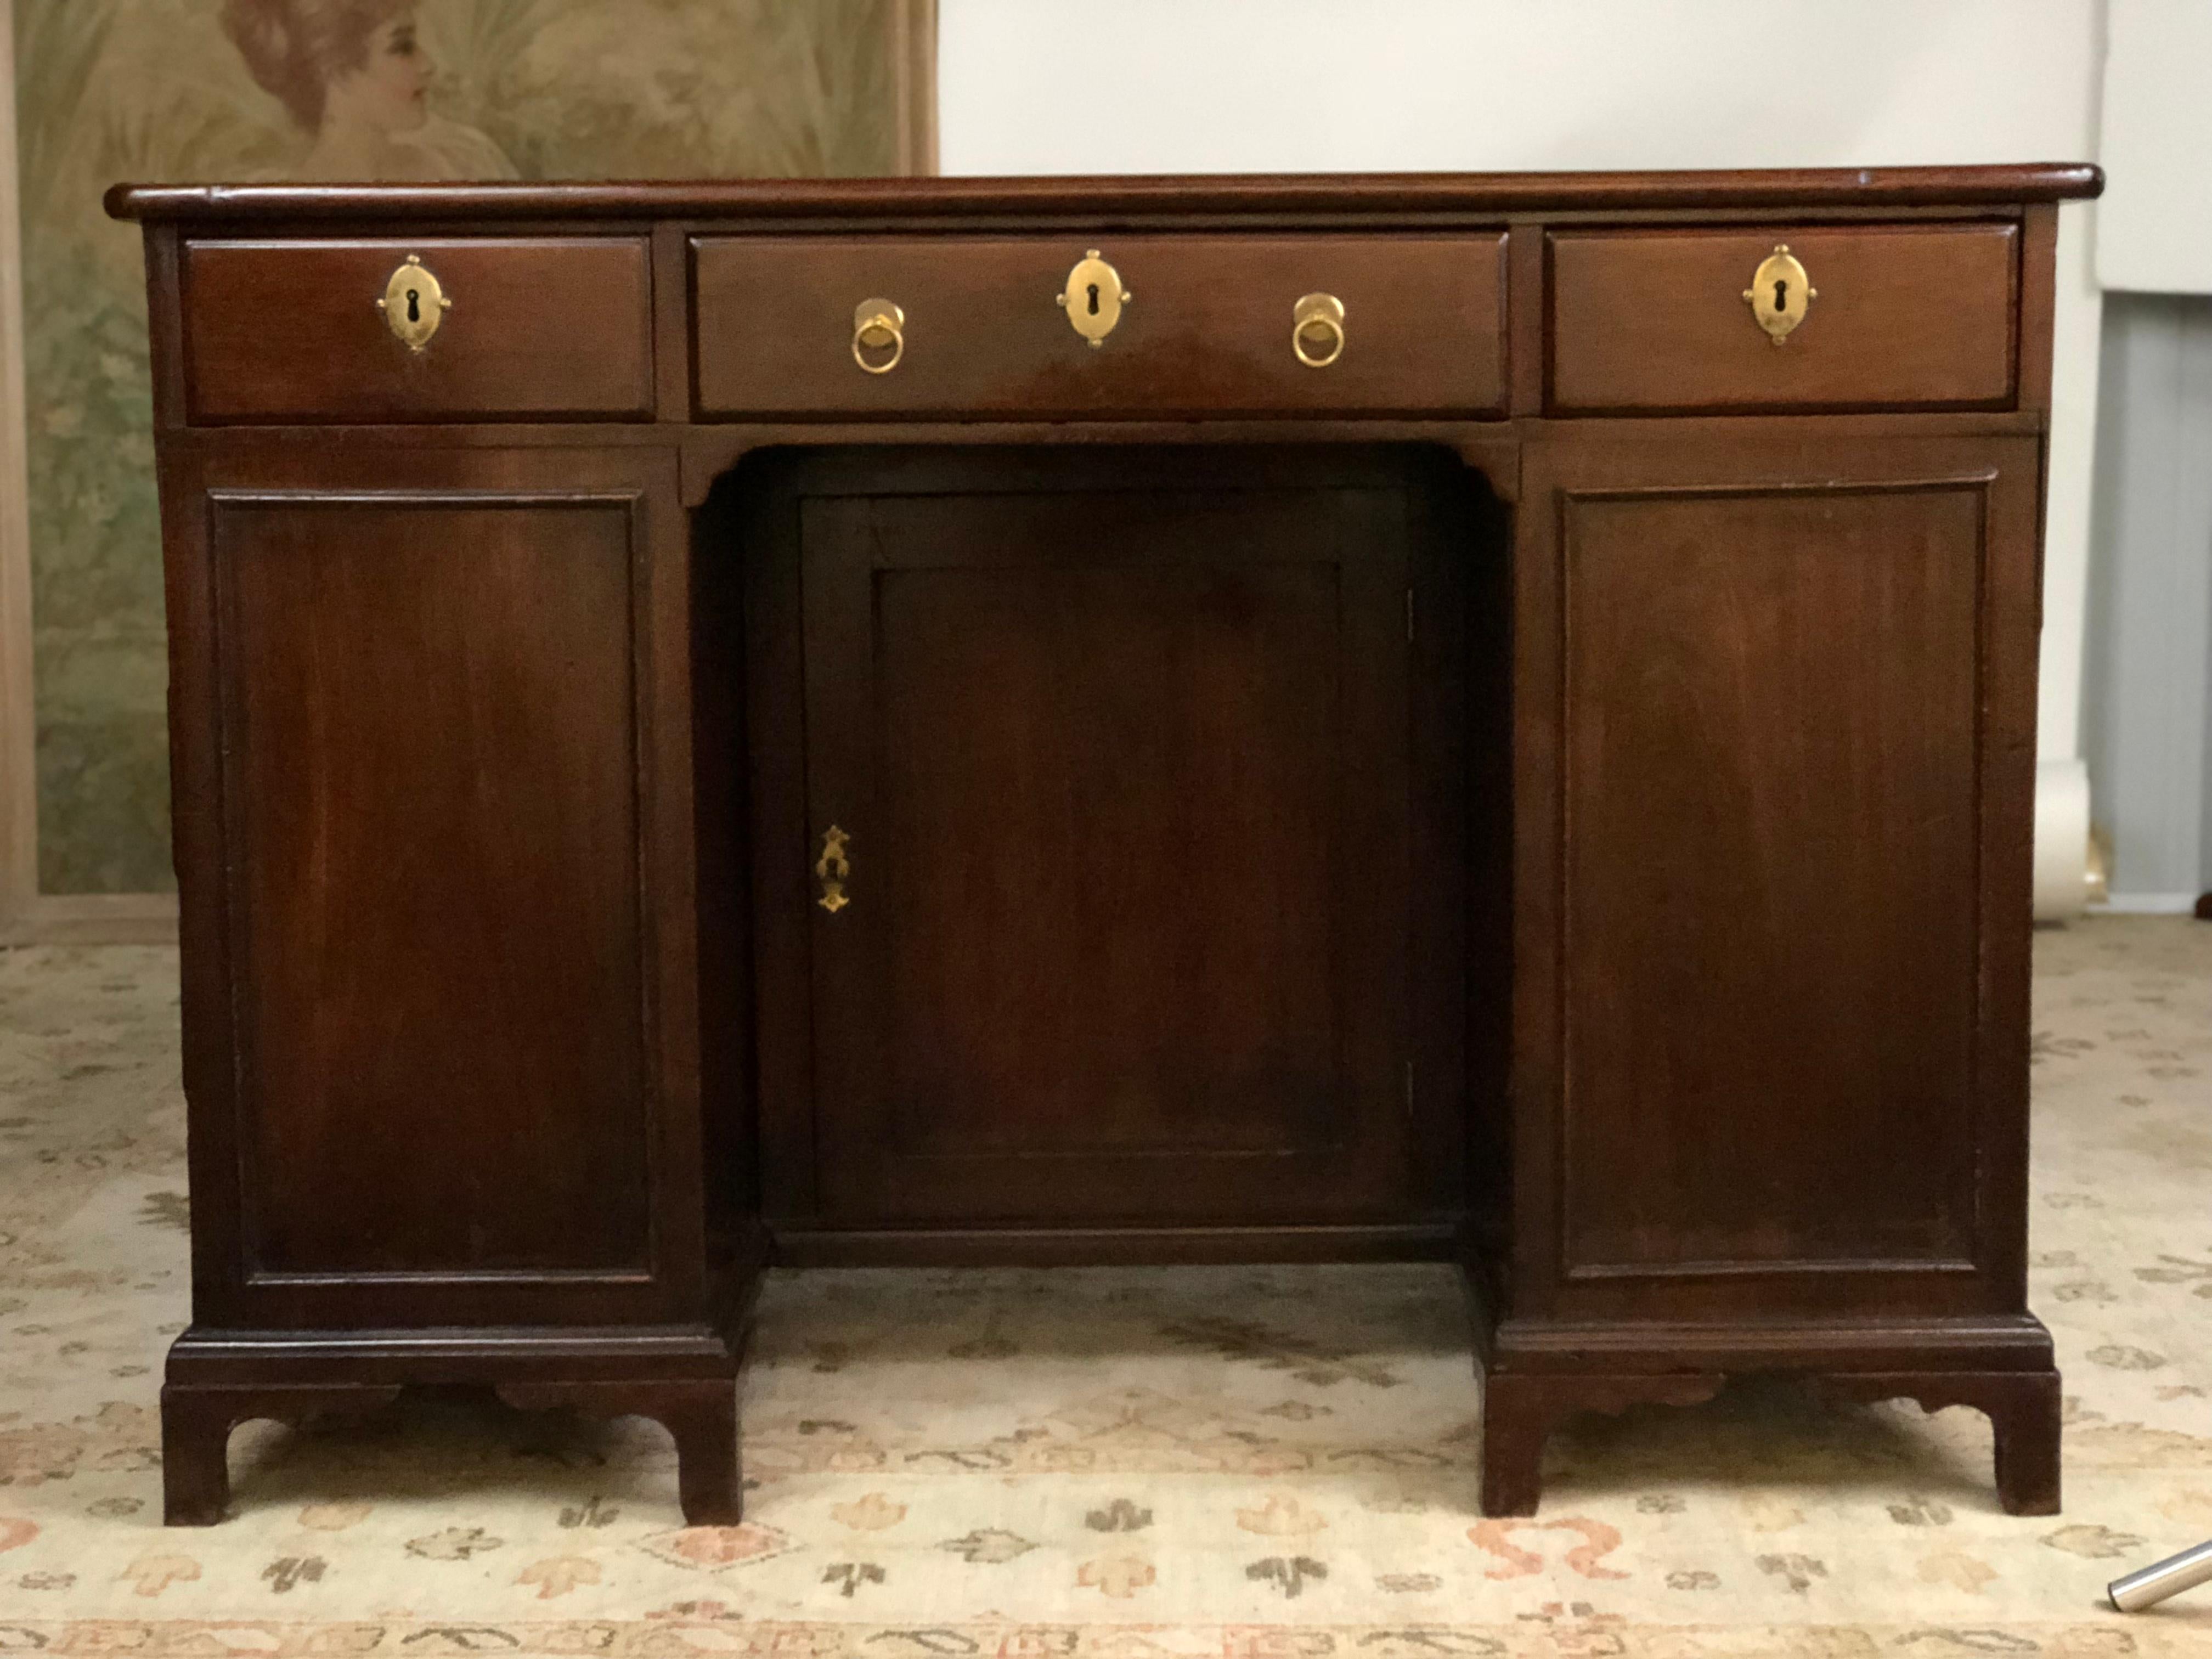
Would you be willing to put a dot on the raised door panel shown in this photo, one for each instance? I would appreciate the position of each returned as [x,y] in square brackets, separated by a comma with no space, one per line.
[452,1026]
[1793,747]
[1124,772]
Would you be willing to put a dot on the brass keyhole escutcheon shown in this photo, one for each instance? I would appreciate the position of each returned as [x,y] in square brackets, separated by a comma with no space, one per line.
[1780,294]
[414,304]
[1093,298]
[833,869]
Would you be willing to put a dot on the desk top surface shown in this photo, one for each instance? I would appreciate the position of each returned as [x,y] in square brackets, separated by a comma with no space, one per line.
[1329,195]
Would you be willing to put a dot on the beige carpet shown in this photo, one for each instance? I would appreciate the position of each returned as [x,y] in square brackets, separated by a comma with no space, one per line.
[1251,1463]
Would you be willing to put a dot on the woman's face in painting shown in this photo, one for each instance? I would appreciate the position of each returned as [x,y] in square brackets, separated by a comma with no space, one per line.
[390,91]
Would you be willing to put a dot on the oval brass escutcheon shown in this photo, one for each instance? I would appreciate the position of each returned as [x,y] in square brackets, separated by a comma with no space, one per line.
[414,304]
[1093,298]
[1779,293]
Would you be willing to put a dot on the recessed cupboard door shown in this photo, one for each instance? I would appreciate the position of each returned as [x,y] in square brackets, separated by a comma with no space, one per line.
[1785,698]
[445,752]
[1109,841]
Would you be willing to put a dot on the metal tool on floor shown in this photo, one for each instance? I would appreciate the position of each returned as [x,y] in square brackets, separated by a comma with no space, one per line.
[2154,1582]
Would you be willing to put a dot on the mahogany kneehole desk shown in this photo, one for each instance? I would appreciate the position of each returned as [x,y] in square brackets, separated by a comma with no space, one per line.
[1476,718]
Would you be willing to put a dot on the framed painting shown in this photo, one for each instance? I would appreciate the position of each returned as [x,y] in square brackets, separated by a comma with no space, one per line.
[93,91]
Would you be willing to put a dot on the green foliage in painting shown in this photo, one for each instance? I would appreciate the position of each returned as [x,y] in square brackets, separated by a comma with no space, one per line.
[155,90]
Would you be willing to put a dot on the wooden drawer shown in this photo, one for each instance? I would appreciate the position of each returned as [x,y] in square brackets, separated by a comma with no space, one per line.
[539,329]
[1904,317]
[1207,330]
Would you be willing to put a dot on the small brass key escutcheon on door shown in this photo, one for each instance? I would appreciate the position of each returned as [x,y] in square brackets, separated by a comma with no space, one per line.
[832,869]
[1779,293]
[414,304]
[1093,298]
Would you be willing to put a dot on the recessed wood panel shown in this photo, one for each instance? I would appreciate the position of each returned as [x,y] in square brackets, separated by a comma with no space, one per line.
[1109,797]
[430,793]
[1125,769]
[542,328]
[1906,317]
[1772,880]
[1208,329]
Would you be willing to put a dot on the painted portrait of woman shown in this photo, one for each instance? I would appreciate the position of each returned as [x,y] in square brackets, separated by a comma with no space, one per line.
[355,77]
[323,91]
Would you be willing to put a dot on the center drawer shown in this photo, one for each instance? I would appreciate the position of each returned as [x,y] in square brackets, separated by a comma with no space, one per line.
[981,326]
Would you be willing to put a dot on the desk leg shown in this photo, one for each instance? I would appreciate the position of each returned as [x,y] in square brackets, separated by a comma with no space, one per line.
[2023,1407]
[1521,1409]
[700,1415]
[1516,1420]
[2027,1432]
[197,1420]
[196,1428]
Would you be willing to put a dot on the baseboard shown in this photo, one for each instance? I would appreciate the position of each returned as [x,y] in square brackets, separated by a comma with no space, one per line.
[94,919]
[2147,904]
[1090,1247]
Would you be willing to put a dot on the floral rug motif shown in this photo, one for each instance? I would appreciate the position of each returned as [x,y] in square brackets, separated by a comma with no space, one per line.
[1237,1463]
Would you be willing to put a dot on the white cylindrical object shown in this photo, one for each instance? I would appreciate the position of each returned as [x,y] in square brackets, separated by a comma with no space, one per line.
[2160,1579]
[2062,839]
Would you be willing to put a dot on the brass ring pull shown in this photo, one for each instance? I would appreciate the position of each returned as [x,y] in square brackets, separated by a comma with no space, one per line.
[877,324]
[1320,315]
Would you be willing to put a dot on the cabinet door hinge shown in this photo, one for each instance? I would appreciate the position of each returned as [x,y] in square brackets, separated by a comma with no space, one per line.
[1409,616]
[1409,1090]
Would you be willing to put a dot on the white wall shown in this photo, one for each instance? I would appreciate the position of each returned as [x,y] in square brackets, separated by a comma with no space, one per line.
[2155,228]
[2147,701]
[2147,718]
[1204,86]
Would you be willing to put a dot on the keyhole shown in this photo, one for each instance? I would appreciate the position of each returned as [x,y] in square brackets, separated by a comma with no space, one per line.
[414,305]
[1780,293]
[1094,299]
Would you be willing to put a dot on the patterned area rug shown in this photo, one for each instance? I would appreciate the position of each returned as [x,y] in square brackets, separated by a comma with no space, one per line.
[1273,1463]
